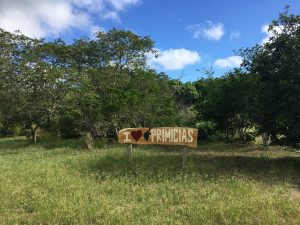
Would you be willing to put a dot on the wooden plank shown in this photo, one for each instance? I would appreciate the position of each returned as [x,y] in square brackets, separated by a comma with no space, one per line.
[184,136]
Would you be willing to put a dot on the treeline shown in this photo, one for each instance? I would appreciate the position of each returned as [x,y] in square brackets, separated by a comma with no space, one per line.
[92,88]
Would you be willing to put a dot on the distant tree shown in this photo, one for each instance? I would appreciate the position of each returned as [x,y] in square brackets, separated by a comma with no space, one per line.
[227,101]
[186,94]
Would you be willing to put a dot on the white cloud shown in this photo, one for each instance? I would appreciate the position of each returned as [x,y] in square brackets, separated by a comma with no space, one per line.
[113,15]
[210,31]
[174,59]
[265,30]
[121,4]
[234,35]
[42,18]
[229,62]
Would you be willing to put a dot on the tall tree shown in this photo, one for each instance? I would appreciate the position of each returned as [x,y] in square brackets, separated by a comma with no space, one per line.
[277,64]
[114,89]
[44,84]
[11,47]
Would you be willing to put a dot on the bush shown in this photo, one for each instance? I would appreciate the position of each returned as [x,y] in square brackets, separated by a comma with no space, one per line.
[206,129]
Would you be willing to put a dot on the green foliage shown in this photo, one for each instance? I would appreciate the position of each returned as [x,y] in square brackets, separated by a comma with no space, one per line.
[206,129]
[186,94]
[227,101]
[33,85]
[99,86]
[11,47]
[277,64]
[96,86]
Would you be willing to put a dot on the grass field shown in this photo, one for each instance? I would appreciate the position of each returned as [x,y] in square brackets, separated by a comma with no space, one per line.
[59,183]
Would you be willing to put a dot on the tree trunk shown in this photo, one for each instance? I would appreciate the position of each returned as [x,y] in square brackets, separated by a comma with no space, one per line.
[243,135]
[265,138]
[129,154]
[34,133]
[88,140]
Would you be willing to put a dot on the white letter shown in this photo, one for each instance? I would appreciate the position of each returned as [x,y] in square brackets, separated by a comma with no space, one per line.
[158,132]
[175,138]
[184,139]
[127,137]
[167,135]
[153,133]
[190,133]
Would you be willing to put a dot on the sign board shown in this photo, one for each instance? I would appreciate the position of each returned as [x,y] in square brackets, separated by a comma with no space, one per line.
[160,136]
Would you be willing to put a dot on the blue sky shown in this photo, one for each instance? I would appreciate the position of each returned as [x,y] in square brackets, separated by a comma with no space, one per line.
[188,35]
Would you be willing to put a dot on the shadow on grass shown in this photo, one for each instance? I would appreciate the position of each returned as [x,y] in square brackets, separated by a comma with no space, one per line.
[14,144]
[18,143]
[169,165]
[210,161]
[75,144]
[211,146]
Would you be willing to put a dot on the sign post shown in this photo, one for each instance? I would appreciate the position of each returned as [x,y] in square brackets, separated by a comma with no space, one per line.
[184,157]
[130,156]
[183,136]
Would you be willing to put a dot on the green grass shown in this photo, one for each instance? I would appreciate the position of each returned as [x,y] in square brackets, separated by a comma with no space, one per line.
[59,183]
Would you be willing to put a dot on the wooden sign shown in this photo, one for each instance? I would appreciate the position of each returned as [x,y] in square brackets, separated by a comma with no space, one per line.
[160,136]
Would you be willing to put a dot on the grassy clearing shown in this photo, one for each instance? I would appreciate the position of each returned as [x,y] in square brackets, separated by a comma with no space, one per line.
[222,184]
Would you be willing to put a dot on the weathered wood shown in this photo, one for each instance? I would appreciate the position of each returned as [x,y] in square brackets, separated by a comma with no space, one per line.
[160,135]
[129,154]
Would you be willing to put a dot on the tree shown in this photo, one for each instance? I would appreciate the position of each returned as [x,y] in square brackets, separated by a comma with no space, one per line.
[277,64]
[114,89]
[11,47]
[227,101]
[44,84]
[186,96]
[98,86]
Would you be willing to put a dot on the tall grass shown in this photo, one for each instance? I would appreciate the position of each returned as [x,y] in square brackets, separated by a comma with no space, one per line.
[58,183]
